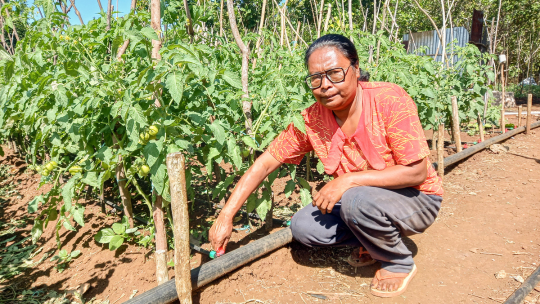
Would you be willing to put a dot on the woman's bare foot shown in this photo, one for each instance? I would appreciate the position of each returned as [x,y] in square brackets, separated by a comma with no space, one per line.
[388,284]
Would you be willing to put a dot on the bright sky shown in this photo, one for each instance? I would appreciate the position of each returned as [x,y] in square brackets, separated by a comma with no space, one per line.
[89,9]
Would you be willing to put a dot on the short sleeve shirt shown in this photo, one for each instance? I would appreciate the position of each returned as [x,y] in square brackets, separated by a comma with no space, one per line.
[389,133]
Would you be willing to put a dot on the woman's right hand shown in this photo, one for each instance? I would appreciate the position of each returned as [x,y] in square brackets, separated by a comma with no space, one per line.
[220,233]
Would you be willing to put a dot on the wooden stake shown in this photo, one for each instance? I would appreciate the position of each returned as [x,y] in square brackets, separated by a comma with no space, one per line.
[503,127]
[440,151]
[529,106]
[434,140]
[176,169]
[481,128]
[328,17]
[455,124]
[520,108]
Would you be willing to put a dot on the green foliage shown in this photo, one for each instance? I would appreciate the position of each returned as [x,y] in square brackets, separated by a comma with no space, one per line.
[67,93]
[63,258]
[117,234]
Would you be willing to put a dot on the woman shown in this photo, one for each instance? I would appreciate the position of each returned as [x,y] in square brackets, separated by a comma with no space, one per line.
[369,137]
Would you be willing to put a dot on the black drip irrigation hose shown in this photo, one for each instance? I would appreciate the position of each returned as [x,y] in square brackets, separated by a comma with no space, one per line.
[206,273]
[525,288]
[452,159]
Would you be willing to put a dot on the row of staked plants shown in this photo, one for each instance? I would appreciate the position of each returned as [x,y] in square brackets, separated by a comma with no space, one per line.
[78,114]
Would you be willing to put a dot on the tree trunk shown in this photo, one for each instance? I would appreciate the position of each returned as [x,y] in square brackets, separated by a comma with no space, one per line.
[77,12]
[246,104]
[123,48]
[190,21]
[161,237]
[109,12]
[162,272]
[100,7]
[125,195]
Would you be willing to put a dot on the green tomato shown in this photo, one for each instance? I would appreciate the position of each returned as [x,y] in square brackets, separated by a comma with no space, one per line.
[45,172]
[245,153]
[153,130]
[55,164]
[144,137]
[49,166]
[75,169]
[144,170]
[104,165]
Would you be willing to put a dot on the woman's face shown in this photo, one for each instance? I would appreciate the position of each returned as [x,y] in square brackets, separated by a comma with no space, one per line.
[334,96]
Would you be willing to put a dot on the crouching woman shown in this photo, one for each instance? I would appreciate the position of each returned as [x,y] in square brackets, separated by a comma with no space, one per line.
[369,138]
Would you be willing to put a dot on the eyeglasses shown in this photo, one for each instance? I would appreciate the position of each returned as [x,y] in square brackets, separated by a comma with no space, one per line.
[335,75]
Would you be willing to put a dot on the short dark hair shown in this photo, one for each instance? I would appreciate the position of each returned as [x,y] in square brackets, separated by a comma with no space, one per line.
[342,43]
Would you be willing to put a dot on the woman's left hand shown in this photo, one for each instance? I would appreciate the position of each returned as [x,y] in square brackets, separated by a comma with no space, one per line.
[331,193]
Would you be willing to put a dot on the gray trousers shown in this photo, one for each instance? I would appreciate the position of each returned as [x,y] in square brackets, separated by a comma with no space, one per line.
[372,217]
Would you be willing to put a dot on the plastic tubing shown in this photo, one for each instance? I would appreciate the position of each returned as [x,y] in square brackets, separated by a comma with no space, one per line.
[206,273]
[452,159]
[525,288]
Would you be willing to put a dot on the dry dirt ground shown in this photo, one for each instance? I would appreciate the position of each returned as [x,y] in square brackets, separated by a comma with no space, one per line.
[488,223]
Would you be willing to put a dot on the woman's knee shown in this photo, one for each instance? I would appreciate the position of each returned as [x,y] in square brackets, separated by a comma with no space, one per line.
[360,204]
[300,226]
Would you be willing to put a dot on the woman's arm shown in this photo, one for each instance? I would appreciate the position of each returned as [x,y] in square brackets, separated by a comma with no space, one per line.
[221,230]
[395,177]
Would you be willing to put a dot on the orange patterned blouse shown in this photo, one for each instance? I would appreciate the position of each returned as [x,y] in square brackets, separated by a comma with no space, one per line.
[388,133]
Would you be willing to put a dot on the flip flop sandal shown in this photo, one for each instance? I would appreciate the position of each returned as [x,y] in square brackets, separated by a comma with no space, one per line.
[360,258]
[407,277]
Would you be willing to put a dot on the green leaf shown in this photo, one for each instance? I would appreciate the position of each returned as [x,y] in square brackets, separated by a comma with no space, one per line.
[233,150]
[78,214]
[91,178]
[289,188]
[68,225]
[304,183]
[63,253]
[131,230]
[264,204]
[251,203]
[75,253]
[250,142]
[219,132]
[152,152]
[118,228]
[104,235]
[116,242]
[149,33]
[232,79]
[67,192]
[305,197]
[136,113]
[320,167]
[37,230]
[299,122]
[175,84]
[33,204]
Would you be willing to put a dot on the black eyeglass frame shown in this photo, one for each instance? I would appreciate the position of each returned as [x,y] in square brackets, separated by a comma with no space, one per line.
[325,74]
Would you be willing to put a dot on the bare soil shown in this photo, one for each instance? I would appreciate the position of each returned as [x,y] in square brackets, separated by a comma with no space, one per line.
[488,223]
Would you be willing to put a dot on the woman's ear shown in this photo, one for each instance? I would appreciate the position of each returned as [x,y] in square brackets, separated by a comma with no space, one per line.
[357,71]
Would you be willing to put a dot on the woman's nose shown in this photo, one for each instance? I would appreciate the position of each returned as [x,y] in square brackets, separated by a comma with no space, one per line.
[326,83]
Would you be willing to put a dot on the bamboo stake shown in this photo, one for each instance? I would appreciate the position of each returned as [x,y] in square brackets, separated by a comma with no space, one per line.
[221,20]
[100,7]
[440,151]
[529,106]
[176,169]
[481,128]
[350,15]
[455,124]
[503,127]
[328,17]
[320,19]
[123,48]
[77,12]
[434,140]
[246,103]
[520,108]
